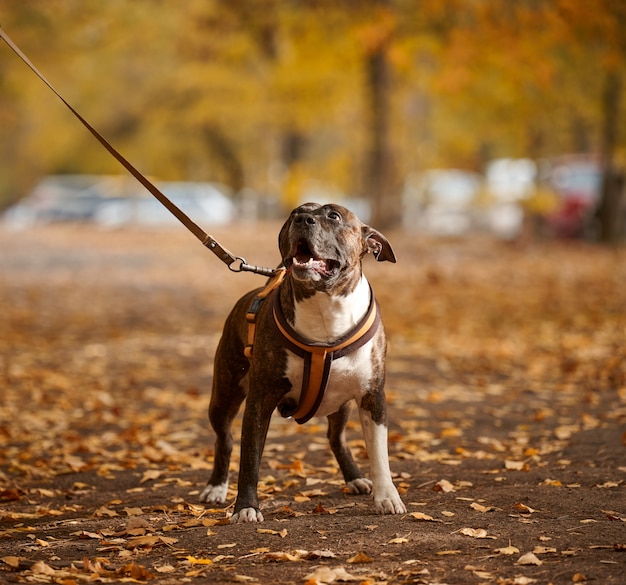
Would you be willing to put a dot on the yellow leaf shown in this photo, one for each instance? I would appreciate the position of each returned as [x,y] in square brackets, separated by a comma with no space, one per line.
[194,561]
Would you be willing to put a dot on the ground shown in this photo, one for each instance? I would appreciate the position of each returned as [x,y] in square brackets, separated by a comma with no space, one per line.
[506,389]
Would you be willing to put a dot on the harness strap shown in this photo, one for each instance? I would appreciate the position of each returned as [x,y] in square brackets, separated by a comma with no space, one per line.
[256,305]
[318,357]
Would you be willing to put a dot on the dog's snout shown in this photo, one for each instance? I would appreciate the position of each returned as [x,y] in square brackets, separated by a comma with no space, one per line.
[305,219]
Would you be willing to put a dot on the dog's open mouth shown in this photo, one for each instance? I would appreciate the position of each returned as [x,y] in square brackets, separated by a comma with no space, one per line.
[305,261]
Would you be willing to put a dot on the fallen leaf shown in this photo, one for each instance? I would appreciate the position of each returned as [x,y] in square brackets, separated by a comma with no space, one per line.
[195,561]
[552,482]
[328,575]
[423,517]
[475,533]
[41,568]
[480,508]
[542,550]
[104,511]
[507,550]
[529,559]
[282,533]
[13,562]
[448,552]
[151,474]
[281,556]
[443,485]
[360,557]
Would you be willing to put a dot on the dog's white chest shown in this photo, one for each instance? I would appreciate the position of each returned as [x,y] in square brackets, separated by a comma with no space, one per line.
[323,319]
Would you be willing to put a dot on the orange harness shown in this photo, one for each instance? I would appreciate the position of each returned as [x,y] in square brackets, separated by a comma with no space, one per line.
[318,357]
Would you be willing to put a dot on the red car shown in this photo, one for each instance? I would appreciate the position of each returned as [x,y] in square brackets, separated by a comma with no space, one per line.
[577,181]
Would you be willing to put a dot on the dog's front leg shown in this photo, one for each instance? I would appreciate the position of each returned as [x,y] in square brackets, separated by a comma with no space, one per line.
[256,419]
[355,480]
[372,412]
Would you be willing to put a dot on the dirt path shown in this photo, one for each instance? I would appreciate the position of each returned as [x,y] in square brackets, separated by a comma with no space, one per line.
[507,398]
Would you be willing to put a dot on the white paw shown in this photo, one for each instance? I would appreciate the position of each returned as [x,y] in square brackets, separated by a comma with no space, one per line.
[214,494]
[361,485]
[246,515]
[389,502]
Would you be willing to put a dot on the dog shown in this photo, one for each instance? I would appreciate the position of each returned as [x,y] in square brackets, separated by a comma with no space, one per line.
[307,344]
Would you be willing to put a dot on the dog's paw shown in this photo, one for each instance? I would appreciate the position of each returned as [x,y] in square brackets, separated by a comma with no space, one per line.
[389,503]
[360,485]
[246,515]
[214,494]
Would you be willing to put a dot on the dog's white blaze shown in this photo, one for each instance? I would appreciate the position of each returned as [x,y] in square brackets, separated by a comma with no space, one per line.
[324,318]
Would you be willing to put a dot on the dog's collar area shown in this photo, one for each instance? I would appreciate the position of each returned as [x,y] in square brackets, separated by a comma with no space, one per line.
[318,357]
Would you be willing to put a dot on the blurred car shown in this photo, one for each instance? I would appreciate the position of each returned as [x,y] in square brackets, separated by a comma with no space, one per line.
[509,183]
[59,198]
[113,201]
[576,180]
[441,201]
[204,203]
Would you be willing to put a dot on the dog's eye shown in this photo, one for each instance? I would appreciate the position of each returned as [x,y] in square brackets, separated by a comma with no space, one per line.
[334,215]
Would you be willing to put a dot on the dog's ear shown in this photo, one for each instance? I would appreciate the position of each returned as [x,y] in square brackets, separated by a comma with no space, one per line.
[377,244]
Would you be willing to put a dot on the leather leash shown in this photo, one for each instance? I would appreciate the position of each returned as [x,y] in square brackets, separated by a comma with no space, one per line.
[234,263]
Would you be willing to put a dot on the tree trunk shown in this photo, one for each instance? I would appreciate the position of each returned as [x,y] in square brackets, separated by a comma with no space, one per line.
[381,186]
[611,207]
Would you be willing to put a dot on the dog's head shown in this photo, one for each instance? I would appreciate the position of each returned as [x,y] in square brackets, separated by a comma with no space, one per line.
[322,247]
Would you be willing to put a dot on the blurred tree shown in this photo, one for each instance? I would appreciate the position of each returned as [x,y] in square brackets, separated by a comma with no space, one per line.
[269,94]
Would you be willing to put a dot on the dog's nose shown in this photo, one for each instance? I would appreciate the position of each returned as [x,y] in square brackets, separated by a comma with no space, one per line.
[305,218]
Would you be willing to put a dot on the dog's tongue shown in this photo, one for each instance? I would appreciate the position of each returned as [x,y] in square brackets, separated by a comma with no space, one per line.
[310,263]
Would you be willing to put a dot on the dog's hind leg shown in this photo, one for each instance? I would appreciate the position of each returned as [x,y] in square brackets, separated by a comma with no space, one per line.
[356,482]
[229,391]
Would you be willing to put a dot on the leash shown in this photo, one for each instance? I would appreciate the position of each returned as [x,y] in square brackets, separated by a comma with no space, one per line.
[234,263]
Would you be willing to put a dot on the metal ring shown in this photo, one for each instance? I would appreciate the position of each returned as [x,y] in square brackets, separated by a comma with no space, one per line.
[239,267]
